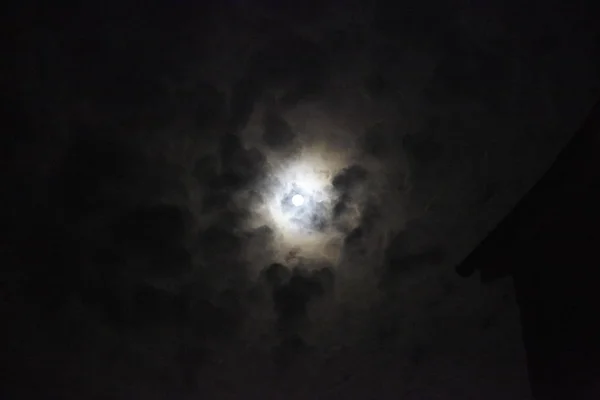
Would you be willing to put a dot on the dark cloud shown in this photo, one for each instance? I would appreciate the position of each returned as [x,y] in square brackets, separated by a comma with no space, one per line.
[220,247]
[355,236]
[423,148]
[344,218]
[111,256]
[226,183]
[152,239]
[375,84]
[201,105]
[354,240]
[103,299]
[265,232]
[291,58]
[464,70]
[292,294]
[407,252]
[128,79]
[15,118]
[245,93]
[85,191]
[255,198]
[230,149]
[239,169]
[217,243]
[278,134]
[427,159]
[147,246]
[140,306]
[376,141]
[130,90]
[118,284]
[371,212]
[150,181]
[208,105]
[417,354]
[251,164]
[287,59]
[402,264]
[291,299]
[325,276]
[93,163]
[239,166]
[148,305]
[276,274]
[228,303]
[341,206]
[289,349]
[291,291]
[206,169]
[126,92]
[151,227]
[215,199]
[349,178]
[174,262]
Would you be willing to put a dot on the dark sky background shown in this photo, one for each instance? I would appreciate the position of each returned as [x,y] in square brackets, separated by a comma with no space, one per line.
[140,144]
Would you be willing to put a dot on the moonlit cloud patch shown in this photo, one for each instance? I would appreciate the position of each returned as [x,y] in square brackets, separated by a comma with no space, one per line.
[299,203]
[315,189]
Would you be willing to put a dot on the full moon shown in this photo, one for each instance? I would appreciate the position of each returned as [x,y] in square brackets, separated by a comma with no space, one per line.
[298,200]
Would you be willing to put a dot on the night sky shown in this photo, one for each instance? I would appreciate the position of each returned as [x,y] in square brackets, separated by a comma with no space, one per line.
[153,155]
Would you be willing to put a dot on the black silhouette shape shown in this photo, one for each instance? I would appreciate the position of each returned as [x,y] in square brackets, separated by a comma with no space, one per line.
[548,244]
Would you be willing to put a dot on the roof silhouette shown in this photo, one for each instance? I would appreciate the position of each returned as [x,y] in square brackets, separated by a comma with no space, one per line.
[550,245]
[559,200]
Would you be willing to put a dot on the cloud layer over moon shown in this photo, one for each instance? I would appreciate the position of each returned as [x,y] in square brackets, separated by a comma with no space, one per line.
[159,245]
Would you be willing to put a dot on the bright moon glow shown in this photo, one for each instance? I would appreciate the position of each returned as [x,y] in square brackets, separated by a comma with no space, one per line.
[297,200]
[301,223]
[303,178]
